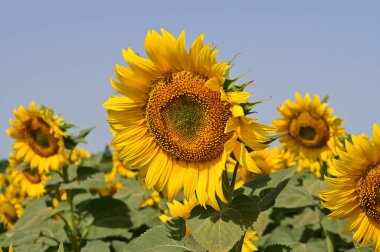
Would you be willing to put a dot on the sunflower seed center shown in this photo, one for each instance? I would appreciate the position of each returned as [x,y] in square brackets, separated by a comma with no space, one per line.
[186,118]
[368,191]
[309,130]
[37,134]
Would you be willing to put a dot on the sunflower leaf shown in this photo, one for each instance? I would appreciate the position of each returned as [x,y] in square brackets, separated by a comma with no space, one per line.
[73,140]
[220,230]
[169,236]
[266,188]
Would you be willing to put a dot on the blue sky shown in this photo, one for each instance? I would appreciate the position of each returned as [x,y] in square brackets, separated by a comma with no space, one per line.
[62,53]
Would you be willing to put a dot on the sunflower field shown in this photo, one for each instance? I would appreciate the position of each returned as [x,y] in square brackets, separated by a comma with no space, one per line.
[190,167]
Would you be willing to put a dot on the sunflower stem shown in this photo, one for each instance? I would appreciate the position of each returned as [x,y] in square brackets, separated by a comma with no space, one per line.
[329,241]
[232,186]
[72,225]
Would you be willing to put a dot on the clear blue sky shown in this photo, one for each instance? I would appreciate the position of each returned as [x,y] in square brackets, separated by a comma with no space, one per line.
[61,53]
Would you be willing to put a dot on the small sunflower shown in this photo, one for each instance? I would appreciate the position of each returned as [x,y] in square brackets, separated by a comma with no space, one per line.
[10,211]
[113,184]
[38,138]
[267,160]
[249,238]
[178,209]
[354,192]
[313,131]
[77,155]
[31,181]
[152,200]
[288,159]
[174,121]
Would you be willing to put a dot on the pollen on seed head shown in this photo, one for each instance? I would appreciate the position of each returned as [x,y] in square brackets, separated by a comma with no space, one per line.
[368,191]
[186,118]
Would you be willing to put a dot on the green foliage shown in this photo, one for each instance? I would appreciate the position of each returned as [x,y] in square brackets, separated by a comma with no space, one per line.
[220,230]
[73,140]
[297,222]
[169,236]
[266,188]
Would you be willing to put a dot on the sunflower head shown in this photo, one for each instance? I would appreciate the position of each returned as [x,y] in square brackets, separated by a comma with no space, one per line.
[355,189]
[38,137]
[172,115]
[77,155]
[312,131]
[10,211]
[32,182]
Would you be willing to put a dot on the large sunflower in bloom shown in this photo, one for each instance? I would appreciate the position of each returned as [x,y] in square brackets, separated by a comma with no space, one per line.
[313,131]
[174,121]
[355,190]
[38,138]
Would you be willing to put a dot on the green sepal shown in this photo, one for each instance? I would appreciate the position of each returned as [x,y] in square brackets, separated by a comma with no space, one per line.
[72,141]
[325,99]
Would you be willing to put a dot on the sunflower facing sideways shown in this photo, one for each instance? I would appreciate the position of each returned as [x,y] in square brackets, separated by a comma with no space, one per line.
[313,131]
[38,138]
[354,192]
[175,122]
[10,211]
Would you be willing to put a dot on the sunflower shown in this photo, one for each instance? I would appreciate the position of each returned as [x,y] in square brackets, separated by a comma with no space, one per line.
[10,211]
[288,159]
[267,160]
[152,200]
[249,238]
[178,209]
[313,131]
[31,181]
[354,192]
[174,121]
[113,184]
[77,155]
[38,138]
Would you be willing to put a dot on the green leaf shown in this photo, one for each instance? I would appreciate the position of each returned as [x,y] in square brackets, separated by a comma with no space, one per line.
[93,181]
[336,226]
[132,194]
[294,197]
[64,125]
[93,161]
[109,217]
[306,217]
[54,182]
[73,140]
[4,164]
[277,248]
[262,222]
[170,236]
[220,230]
[266,188]
[96,245]
[325,99]
[288,237]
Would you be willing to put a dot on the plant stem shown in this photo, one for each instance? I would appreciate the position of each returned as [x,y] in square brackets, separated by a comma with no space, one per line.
[72,225]
[232,186]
